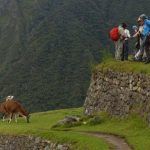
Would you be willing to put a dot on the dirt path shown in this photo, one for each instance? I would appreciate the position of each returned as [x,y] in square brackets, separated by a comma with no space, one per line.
[117,142]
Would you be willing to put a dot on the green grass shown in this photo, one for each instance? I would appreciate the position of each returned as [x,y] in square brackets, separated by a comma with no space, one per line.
[41,124]
[133,129]
[124,66]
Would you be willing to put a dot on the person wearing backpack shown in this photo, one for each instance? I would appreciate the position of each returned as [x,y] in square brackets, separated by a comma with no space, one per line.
[145,35]
[117,35]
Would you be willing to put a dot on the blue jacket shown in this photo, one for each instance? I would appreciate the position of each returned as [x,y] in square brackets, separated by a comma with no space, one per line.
[146,28]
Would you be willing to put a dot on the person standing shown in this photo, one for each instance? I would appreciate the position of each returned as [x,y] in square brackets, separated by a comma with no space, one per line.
[120,42]
[145,35]
[126,44]
[140,53]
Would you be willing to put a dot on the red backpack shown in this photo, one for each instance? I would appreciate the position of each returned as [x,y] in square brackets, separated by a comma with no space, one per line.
[114,34]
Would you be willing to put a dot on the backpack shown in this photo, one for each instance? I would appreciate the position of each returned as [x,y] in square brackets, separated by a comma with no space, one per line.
[114,34]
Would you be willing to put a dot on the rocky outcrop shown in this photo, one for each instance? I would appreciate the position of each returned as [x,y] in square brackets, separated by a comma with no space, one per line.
[29,143]
[68,121]
[118,93]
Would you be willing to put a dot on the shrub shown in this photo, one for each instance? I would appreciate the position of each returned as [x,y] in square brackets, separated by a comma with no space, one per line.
[94,121]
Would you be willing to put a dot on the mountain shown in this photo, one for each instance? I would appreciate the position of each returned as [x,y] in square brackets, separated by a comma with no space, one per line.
[48,47]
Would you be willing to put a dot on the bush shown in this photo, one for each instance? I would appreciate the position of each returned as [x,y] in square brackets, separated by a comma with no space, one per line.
[94,121]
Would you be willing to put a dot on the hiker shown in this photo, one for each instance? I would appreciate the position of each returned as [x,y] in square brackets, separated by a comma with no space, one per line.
[117,34]
[137,34]
[126,44]
[145,36]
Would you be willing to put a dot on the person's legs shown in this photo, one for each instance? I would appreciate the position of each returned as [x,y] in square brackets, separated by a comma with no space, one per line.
[123,53]
[137,55]
[147,49]
[144,55]
[142,44]
[141,51]
[126,49]
[116,50]
[119,49]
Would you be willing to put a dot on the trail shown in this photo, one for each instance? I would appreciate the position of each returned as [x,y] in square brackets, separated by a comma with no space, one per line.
[117,142]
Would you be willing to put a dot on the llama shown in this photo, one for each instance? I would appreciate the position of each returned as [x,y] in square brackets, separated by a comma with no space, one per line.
[12,108]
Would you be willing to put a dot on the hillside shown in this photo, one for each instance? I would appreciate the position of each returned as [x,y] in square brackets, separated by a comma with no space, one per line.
[48,46]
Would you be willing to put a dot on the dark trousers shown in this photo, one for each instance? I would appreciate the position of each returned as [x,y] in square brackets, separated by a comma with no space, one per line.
[125,50]
[147,48]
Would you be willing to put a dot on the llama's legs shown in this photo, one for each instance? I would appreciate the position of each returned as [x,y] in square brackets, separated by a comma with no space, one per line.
[16,118]
[3,117]
[11,115]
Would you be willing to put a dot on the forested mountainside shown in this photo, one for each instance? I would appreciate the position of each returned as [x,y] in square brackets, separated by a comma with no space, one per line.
[48,46]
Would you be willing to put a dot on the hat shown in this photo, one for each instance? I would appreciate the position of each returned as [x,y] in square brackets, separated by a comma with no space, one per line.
[134,27]
[143,17]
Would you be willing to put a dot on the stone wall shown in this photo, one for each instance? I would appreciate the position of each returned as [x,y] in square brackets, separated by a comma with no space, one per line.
[118,93]
[8,142]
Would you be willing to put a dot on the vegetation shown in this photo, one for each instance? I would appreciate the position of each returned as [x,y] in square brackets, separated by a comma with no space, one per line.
[41,124]
[124,66]
[48,46]
[133,129]
[94,120]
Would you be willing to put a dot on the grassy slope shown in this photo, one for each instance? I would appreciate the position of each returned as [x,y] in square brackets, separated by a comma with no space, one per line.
[136,131]
[124,66]
[133,129]
[40,126]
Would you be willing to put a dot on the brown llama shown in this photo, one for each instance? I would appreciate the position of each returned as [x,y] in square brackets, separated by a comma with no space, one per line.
[12,108]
